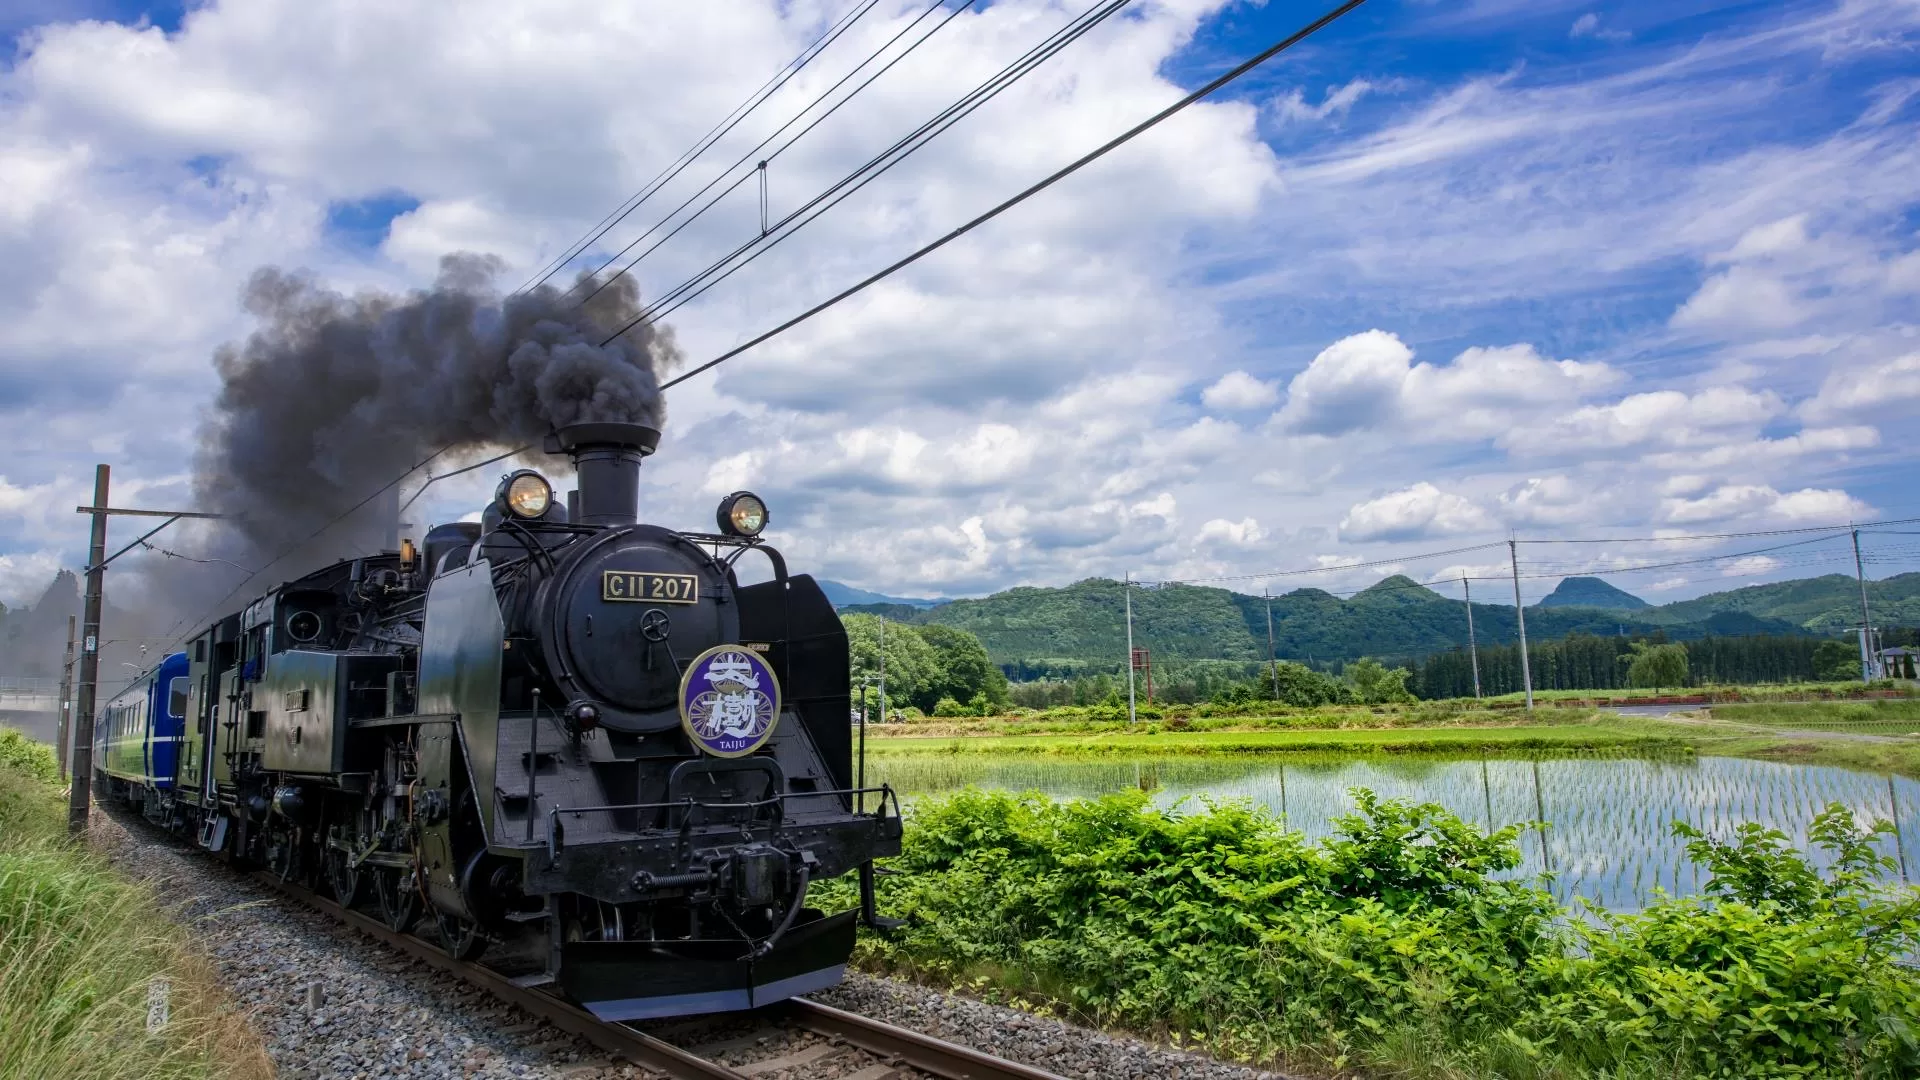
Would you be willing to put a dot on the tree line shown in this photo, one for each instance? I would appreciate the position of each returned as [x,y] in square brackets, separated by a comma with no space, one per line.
[1592,662]
[938,670]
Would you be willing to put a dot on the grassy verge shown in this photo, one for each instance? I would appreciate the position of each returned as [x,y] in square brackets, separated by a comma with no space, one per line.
[81,949]
[1104,720]
[1594,735]
[1902,716]
[1400,947]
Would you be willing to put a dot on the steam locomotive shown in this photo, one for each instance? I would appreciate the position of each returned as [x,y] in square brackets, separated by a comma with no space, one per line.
[557,734]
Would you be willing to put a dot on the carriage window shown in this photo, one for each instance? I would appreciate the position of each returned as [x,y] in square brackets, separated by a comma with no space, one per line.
[177,697]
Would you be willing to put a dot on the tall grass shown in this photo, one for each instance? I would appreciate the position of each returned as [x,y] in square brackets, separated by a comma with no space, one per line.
[81,949]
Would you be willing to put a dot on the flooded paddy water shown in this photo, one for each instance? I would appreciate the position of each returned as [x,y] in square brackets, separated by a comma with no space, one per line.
[1611,838]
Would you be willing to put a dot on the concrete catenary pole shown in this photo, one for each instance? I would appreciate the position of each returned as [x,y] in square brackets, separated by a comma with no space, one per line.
[1473,647]
[1273,664]
[82,786]
[883,669]
[63,725]
[1866,620]
[1520,613]
[1127,584]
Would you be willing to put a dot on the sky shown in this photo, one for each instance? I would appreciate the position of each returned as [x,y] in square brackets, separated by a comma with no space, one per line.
[1449,272]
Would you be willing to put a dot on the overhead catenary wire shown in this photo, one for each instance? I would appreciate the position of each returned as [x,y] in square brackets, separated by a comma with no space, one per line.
[719,131]
[753,154]
[1055,177]
[877,166]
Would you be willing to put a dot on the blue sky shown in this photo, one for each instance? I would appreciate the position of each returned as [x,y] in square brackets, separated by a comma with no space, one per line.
[1445,272]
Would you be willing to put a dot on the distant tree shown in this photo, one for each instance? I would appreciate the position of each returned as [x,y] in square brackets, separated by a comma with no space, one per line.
[1656,666]
[911,665]
[962,670]
[1376,684]
[1303,687]
[1836,661]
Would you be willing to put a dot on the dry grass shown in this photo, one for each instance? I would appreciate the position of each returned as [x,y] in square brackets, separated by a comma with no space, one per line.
[81,949]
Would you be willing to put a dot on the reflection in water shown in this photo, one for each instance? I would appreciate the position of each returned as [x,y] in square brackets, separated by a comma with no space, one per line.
[1611,838]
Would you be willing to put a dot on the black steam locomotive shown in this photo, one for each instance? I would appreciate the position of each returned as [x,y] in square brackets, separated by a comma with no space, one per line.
[556,733]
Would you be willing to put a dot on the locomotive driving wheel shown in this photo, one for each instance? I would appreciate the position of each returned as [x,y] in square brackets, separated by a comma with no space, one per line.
[460,937]
[344,878]
[397,899]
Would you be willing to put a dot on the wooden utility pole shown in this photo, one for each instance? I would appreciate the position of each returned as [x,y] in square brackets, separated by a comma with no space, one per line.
[66,702]
[82,786]
[79,799]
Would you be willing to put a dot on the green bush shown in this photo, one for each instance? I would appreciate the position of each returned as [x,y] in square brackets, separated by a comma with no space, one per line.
[1402,941]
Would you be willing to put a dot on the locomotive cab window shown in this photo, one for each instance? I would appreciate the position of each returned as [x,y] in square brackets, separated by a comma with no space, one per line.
[177,697]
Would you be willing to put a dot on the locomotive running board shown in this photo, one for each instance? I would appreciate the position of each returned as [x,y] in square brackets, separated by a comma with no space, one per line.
[639,980]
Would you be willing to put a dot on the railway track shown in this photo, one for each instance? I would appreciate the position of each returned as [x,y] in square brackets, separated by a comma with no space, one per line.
[796,1038]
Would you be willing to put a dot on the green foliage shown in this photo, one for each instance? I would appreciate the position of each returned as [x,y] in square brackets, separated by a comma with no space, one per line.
[1378,685]
[912,666]
[1656,666]
[961,669]
[1836,660]
[24,755]
[1402,941]
[926,666]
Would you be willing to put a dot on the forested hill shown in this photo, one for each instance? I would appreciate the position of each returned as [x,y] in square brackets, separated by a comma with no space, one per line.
[1081,627]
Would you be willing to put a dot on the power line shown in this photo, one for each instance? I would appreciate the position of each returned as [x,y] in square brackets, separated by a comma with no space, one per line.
[1125,137]
[750,154]
[1722,536]
[719,131]
[878,165]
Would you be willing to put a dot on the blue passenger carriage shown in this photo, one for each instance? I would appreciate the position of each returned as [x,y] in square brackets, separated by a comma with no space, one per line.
[139,733]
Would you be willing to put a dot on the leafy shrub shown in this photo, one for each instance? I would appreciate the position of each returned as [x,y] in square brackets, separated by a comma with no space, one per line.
[1403,941]
[24,755]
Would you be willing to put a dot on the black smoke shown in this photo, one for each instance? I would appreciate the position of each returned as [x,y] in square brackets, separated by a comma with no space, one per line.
[333,396]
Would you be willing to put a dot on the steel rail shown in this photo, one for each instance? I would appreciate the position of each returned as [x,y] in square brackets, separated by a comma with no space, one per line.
[636,1046]
[903,1045]
[899,1045]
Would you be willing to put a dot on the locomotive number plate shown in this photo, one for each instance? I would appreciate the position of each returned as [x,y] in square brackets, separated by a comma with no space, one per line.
[648,588]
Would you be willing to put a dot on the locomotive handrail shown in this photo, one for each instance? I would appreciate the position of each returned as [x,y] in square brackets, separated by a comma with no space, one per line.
[554,844]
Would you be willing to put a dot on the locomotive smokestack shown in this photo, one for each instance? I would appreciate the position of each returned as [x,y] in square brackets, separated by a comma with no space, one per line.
[606,457]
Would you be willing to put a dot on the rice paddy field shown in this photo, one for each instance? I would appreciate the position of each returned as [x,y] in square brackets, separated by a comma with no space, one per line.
[1610,818]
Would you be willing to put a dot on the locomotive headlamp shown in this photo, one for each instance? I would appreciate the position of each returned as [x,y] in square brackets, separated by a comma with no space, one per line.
[525,494]
[585,716]
[742,514]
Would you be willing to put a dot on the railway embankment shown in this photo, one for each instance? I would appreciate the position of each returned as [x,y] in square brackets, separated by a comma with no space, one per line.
[96,981]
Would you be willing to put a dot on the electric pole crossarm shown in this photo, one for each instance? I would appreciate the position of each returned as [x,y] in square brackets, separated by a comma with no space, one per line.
[148,535]
[118,511]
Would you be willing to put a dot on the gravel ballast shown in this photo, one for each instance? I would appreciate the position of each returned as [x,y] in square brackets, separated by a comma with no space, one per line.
[1044,1043]
[383,1014]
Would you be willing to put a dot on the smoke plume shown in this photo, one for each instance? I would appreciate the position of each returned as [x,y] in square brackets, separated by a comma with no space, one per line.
[333,396]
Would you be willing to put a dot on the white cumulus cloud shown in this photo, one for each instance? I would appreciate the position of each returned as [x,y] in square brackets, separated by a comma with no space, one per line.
[1412,513]
[1237,391]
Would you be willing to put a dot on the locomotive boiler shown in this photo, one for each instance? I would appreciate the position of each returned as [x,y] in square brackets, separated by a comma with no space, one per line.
[557,734]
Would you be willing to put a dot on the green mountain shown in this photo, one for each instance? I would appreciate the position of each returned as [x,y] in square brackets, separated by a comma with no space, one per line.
[1082,627]
[1591,592]
[1825,605]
